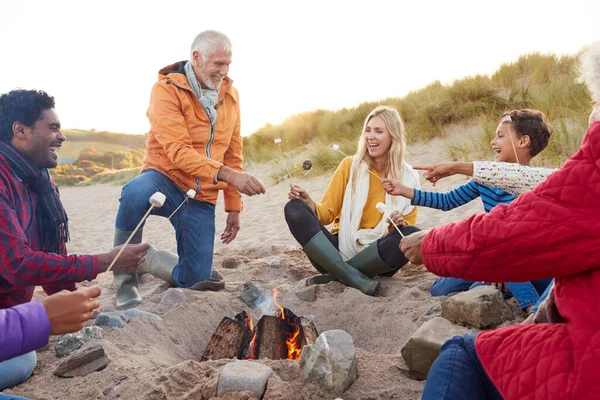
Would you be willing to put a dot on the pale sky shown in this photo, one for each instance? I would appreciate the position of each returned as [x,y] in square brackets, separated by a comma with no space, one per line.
[100,59]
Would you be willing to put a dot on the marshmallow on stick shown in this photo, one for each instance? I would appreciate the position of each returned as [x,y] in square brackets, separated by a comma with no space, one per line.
[381,208]
[190,195]
[156,200]
[336,147]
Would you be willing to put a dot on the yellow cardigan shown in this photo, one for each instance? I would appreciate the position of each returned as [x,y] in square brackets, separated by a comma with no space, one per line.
[330,206]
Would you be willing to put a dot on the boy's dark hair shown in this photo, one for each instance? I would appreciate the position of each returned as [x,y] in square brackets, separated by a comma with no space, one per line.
[532,123]
[25,106]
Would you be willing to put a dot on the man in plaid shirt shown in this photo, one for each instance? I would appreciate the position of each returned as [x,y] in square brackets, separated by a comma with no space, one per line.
[33,224]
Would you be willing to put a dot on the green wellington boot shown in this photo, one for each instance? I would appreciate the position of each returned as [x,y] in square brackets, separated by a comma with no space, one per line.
[128,293]
[369,262]
[159,263]
[320,249]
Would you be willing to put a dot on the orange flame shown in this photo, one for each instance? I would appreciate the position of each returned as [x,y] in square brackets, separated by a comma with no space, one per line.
[275,293]
[293,347]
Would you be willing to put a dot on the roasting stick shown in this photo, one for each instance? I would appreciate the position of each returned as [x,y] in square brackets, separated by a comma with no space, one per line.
[156,200]
[336,147]
[381,208]
[190,195]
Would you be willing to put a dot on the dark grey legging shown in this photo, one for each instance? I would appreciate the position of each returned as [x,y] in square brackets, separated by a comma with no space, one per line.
[304,225]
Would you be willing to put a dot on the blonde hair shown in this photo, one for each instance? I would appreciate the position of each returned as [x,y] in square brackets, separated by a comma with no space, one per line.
[395,155]
[590,69]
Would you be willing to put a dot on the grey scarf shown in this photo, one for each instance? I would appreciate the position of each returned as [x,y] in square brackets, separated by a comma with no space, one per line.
[207,98]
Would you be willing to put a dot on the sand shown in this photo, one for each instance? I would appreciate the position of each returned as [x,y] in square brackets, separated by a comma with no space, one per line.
[152,359]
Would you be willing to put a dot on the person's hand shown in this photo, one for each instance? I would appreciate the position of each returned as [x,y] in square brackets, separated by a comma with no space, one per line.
[68,311]
[247,184]
[297,192]
[130,260]
[397,218]
[435,172]
[529,319]
[232,228]
[395,187]
[411,247]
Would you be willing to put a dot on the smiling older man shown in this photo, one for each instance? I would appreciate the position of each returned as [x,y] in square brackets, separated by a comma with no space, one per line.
[194,144]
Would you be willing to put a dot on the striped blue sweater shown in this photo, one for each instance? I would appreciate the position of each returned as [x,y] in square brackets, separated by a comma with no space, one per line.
[490,196]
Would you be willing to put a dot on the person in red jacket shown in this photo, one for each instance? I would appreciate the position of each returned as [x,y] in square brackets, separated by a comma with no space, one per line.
[552,230]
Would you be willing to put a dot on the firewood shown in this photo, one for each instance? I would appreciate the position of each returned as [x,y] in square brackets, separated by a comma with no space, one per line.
[270,342]
[309,331]
[230,339]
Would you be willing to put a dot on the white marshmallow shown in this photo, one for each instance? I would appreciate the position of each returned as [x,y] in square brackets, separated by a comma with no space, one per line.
[157,199]
[335,147]
[277,140]
[191,193]
[380,207]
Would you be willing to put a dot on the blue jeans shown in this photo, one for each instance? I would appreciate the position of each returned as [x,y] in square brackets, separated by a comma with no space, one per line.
[194,223]
[458,374]
[6,396]
[526,293]
[543,296]
[17,370]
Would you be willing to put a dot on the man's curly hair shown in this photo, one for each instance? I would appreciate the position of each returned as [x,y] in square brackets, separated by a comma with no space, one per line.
[25,106]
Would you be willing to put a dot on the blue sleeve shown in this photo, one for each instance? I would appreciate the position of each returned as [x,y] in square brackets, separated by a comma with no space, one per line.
[23,328]
[449,200]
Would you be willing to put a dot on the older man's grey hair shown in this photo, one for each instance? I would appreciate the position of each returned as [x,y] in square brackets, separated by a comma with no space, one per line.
[208,41]
[590,69]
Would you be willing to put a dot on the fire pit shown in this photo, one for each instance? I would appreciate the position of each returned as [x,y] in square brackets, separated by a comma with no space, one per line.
[279,336]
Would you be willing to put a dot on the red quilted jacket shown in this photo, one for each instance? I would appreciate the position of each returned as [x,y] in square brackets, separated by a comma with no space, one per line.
[553,230]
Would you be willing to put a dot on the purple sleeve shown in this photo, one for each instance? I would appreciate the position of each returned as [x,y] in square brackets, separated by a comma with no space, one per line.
[23,328]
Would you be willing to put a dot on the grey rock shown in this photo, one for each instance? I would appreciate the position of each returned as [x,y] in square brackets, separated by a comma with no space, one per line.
[69,343]
[251,295]
[82,363]
[114,319]
[134,312]
[307,293]
[330,362]
[230,263]
[424,346]
[483,307]
[91,332]
[172,297]
[244,375]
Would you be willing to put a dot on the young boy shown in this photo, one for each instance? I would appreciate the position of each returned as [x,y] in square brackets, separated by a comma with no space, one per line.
[520,136]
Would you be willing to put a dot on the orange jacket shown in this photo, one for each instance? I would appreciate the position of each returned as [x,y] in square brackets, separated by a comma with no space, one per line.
[181,143]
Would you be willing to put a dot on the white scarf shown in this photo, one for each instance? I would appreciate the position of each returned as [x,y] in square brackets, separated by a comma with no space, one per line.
[351,239]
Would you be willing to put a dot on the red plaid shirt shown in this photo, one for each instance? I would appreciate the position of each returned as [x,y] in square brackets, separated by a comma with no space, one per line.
[22,264]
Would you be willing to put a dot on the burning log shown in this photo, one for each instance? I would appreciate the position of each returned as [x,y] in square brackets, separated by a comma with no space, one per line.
[230,339]
[270,338]
[277,337]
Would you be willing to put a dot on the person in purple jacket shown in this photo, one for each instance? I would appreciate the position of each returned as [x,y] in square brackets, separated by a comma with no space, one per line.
[27,327]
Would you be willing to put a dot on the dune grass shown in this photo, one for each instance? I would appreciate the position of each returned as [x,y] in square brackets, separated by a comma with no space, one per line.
[541,81]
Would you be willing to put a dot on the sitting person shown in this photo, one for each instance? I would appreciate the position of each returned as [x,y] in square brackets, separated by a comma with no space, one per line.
[557,360]
[27,327]
[361,244]
[34,227]
[520,136]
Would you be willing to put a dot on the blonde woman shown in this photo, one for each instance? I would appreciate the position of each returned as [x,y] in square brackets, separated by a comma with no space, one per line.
[361,244]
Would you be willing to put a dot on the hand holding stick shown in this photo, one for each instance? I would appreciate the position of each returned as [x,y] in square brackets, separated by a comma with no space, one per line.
[156,200]
[381,208]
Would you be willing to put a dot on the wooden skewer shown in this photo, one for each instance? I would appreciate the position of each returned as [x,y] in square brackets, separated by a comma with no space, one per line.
[336,147]
[381,208]
[156,200]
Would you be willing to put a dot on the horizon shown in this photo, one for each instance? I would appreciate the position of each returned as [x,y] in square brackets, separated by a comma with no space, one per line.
[101,76]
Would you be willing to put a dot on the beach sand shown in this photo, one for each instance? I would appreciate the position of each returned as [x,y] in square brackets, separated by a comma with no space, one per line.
[152,359]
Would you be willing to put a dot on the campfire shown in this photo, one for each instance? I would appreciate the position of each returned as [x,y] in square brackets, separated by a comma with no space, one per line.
[279,336]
